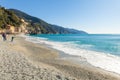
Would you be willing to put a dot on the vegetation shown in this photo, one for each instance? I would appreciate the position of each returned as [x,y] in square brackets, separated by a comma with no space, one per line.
[37,25]
[8,18]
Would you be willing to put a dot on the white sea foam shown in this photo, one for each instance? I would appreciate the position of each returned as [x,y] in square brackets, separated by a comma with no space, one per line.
[98,59]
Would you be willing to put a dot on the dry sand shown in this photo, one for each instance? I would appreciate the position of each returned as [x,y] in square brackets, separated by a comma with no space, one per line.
[15,65]
[23,60]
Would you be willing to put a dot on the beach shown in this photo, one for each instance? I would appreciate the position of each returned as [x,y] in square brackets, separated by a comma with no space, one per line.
[23,60]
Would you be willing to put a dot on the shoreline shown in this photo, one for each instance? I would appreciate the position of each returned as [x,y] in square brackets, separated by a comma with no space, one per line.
[82,63]
[76,58]
[43,56]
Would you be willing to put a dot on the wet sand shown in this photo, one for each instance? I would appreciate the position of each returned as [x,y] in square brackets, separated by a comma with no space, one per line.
[23,60]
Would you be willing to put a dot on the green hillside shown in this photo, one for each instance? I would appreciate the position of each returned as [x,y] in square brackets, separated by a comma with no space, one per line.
[35,25]
[8,18]
[39,26]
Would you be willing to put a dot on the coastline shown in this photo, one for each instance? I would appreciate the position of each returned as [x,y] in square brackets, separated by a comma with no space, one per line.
[72,51]
[71,62]
[46,57]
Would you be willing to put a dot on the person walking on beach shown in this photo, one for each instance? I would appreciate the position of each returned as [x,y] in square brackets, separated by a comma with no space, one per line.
[12,38]
[4,36]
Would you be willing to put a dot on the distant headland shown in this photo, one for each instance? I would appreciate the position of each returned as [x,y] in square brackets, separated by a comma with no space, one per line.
[16,21]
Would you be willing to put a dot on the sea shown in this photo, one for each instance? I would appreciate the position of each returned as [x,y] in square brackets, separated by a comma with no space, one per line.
[99,50]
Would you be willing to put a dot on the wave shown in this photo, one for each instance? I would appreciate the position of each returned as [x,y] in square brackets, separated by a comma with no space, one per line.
[98,59]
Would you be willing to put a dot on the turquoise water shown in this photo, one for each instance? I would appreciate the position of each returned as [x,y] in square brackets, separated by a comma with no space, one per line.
[95,42]
[99,50]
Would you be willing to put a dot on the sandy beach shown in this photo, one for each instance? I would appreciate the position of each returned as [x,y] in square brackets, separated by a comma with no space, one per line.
[23,60]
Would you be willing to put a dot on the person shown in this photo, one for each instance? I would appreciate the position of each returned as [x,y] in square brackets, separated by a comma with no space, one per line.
[12,38]
[4,36]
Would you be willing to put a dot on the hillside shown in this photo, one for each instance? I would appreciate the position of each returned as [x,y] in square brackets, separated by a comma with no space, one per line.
[8,17]
[37,25]
[61,30]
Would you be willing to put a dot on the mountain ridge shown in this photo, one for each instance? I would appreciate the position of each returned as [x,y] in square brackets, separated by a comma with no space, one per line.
[40,26]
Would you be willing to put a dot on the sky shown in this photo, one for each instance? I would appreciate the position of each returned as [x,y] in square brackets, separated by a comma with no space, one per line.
[92,16]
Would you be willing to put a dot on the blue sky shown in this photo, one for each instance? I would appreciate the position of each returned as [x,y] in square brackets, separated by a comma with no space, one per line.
[92,16]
